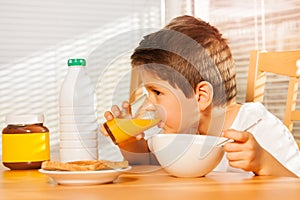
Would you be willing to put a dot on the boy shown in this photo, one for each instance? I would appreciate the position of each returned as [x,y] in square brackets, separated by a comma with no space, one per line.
[188,71]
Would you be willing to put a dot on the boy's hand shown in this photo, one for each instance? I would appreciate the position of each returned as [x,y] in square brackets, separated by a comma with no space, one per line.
[244,153]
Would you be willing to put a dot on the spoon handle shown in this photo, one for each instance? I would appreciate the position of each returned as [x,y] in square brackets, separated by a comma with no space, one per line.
[248,128]
[252,125]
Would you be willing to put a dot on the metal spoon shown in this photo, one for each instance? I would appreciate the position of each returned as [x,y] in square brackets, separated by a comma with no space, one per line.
[231,140]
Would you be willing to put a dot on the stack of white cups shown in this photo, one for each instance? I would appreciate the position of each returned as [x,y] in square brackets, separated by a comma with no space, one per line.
[77,119]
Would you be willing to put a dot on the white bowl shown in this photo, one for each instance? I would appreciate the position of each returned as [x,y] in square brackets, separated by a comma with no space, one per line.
[186,155]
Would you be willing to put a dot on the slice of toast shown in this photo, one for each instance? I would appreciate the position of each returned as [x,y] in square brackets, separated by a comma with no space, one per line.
[83,165]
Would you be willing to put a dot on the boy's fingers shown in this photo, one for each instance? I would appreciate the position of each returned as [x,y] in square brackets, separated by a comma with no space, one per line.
[140,136]
[108,115]
[125,105]
[116,110]
[237,136]
[126,109]
[161,124]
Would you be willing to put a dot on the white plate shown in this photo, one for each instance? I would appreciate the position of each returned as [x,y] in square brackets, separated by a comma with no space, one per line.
[84,177]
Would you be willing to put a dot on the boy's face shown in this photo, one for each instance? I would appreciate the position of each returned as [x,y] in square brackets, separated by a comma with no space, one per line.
[179,114]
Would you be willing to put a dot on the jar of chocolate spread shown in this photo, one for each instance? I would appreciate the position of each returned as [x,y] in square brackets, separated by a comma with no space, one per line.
[25,142]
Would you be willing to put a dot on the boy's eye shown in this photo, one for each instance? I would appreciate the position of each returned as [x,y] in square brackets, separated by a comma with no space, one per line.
[156,92]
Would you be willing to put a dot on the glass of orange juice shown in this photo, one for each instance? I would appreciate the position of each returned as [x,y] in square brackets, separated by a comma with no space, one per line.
[145,117]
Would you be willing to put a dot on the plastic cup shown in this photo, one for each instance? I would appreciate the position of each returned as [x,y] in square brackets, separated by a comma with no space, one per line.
[145,117]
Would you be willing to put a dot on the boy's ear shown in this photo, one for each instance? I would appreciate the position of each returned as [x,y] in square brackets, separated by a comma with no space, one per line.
[204,94]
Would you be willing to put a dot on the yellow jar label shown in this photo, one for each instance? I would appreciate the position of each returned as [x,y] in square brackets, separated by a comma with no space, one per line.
[29,147]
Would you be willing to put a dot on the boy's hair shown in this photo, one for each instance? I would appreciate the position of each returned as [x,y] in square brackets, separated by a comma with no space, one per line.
[187,51]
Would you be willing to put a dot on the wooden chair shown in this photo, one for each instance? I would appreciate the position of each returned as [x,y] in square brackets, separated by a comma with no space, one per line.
[282,63]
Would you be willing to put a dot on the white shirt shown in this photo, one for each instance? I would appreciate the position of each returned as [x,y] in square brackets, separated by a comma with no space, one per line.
[270,133]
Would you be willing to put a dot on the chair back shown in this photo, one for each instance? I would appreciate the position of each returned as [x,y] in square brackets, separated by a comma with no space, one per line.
[284,63]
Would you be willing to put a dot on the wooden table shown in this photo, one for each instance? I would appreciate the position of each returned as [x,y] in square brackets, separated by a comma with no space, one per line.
[149,182]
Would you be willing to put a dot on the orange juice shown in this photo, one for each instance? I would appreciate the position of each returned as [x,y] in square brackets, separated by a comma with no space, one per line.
[121,130]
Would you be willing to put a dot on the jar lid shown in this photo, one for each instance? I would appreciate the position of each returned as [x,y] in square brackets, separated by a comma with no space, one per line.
[24,119]
[76,62]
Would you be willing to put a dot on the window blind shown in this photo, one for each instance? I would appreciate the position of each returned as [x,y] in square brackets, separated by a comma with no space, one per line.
[260,24]
[38,37]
